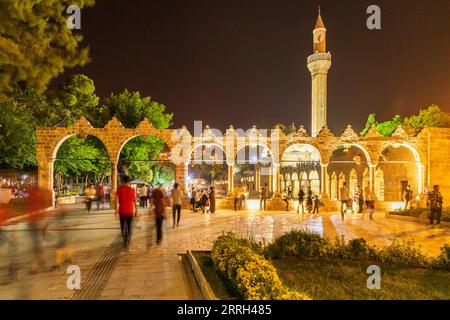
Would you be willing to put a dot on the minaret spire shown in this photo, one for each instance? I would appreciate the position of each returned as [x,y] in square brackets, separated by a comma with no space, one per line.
[318,64]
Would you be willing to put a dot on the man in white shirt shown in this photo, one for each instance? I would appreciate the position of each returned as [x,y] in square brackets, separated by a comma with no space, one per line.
[177,201]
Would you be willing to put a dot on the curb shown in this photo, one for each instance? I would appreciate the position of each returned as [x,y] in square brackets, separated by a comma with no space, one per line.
[205,289]
[413,219]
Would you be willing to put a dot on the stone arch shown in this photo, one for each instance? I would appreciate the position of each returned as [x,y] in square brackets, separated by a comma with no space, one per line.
[300,143]
[401,166]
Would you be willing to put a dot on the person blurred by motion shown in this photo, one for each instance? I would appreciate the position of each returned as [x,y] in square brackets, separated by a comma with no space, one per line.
[177,201]
[212,200]
[264,193]
[126,209]
[89,194]
[159,204]
[37,201]
[101,196]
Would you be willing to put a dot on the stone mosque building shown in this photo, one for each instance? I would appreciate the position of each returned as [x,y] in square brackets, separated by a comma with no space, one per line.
[322,160]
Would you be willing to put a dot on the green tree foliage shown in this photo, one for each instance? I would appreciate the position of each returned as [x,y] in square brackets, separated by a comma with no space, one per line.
[130,109]
[17,138]
[82,156]
[75,98]
[35,43]
[433,116]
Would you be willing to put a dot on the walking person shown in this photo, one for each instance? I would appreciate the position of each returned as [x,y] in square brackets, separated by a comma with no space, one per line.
[301,201]
[193,199]
[90,194]
[204,202]
[212,200]
[143,196]
[101,195]
[359,199]
[285,198]
[126,209]
[407,197]
[237,198]
[309,200]
[369,199]
[177,201]
[159,203]
[435,202]
[345,198]
[264,193]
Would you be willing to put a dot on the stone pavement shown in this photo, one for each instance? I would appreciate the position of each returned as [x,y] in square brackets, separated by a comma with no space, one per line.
[156,272]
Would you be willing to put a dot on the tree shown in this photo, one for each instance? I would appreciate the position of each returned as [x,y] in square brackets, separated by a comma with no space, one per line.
[75,98]
[371,121]
[35,42]
[17,136]
[130,109]
[433,116]
[81,157]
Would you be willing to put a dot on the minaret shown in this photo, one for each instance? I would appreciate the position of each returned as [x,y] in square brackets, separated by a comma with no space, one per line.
[318,64]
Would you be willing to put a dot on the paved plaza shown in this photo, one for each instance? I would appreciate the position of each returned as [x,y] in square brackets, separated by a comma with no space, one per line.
[148,271]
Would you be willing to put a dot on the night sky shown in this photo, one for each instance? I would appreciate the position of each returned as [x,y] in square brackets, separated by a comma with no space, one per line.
[243,62]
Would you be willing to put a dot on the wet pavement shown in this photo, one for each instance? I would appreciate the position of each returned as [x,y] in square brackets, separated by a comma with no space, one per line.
[148,271]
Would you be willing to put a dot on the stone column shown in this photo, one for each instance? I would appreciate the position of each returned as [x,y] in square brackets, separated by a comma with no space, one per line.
[45,178]
[323,178]
[372,168]
[230,178]
[276,180]
[114,184]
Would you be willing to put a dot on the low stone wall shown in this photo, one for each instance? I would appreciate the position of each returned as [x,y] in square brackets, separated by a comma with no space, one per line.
[413,219]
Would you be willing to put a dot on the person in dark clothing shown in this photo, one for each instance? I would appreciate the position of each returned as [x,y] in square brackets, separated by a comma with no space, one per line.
[204,201]
[435,202]
[159,203]
[301,200]
[309,200]
[316,205]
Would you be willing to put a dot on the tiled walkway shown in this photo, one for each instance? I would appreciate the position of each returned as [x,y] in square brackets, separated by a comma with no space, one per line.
[151,272]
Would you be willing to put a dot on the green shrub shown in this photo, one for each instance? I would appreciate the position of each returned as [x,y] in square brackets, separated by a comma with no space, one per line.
[254,278]
[443,260]
[300,244]
[404,254]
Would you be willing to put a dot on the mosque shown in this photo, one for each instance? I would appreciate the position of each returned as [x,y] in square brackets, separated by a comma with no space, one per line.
[320,160]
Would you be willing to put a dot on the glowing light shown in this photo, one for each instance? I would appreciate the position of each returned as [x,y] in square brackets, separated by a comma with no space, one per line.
[253,204]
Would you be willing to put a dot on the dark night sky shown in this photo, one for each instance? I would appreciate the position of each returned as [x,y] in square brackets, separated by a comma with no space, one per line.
[243,62]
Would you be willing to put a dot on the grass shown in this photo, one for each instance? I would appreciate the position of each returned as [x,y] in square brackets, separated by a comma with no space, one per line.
[221,287]
[346,280]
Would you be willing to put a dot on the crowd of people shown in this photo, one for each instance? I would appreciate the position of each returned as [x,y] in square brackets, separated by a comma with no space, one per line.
[203,200]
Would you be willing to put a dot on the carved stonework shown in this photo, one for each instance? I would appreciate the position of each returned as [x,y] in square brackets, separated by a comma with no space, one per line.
[301,133]
[82,124]
[349,134]
[146,125]
[400,133]
[114,123]
[325,133]
[253,133]
[373,133]
[208,135]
